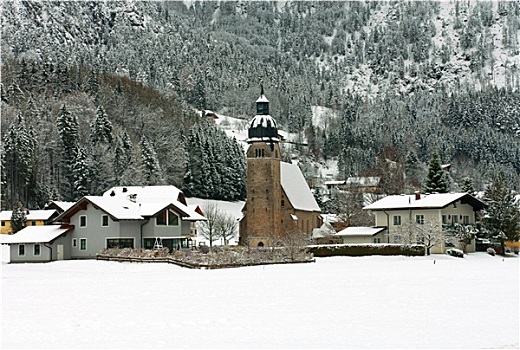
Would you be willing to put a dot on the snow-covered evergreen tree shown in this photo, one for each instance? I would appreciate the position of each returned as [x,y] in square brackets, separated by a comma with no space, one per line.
[151,168]
[18,217]
[467,186]
[68,130]
[100,128]
[436,180]
[18,161]
[502,216]
[82,177]
[101,154]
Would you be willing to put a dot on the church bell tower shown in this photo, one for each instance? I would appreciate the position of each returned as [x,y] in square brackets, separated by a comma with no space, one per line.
[262,212]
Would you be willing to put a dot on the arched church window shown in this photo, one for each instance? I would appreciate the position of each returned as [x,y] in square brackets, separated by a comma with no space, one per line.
[260,244]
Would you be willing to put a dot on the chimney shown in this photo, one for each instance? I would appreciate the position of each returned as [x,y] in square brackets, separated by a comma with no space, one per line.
[417,195]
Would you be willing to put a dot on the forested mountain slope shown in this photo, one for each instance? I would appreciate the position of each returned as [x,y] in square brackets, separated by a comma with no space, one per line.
[406,78]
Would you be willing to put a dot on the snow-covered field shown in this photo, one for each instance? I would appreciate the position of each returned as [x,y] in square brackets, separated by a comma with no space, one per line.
[341,302]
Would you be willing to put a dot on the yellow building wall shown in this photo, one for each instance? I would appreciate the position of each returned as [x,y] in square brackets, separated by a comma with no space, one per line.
[6,225]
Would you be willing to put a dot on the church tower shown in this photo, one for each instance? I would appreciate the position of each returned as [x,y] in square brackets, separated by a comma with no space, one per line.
[263,205]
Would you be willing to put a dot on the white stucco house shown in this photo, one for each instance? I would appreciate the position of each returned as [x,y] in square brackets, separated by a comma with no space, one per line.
[444,209]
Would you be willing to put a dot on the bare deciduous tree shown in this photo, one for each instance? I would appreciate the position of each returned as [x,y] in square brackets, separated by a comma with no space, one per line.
[227,227]
[219,224]
[429,233]
[209,228]
[294,243]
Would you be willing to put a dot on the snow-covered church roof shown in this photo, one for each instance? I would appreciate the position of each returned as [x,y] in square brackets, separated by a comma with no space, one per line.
[296,188]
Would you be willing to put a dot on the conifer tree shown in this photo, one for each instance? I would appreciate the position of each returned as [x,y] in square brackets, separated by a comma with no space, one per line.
[151,168]
[436,180]
[18,160]
[68,127]
[100,128]
[80,171]
[502,218]
[467,186]
[18,218]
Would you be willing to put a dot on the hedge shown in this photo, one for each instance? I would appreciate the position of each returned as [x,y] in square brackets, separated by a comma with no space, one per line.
[366,249]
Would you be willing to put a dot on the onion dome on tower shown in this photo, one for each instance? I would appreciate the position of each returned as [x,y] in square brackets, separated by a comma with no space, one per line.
[263,126]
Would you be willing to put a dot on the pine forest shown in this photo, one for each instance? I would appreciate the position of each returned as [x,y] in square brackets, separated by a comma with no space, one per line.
[97,94]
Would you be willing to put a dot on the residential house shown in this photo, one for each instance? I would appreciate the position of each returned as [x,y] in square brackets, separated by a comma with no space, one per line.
[363,184]
[34,218]
[442,209]
[125,217]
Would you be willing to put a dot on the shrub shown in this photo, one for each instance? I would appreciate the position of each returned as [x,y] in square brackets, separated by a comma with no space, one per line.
[366,249]
[491,251]
[455,252]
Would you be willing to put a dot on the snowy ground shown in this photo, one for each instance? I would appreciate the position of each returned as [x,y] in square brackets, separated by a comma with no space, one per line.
[341,302]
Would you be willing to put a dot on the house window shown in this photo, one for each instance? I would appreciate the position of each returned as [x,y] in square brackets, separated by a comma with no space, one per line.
[167,218]
[21,250]
[283,203]
[104,220]
[455,219]
[397,220]
[82,221]
[33,223]
[465,219]
[82,244]
[120,243]
[3,223]
[445,220]
[378,239]
[74,242]
[36,249]
[419,218]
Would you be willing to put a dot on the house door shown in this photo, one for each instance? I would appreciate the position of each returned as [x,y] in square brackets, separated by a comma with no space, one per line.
[60,252]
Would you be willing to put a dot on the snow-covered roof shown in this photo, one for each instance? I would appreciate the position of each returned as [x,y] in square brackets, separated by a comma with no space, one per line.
[32,215]
[323,231]
[139,202]
[62,205]
[335,182]
[36,234]
[262,98]
[296,188]
[265,139]
[364,181]
[360,231]
[263,120]
[431,201]
[144,193]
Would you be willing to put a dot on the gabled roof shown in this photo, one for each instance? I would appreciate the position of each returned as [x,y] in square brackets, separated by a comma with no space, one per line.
[426,201]
[138,203]
[33,215]
[59,205]
[364,181]
[360,231]
[296,188]
[37,234]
